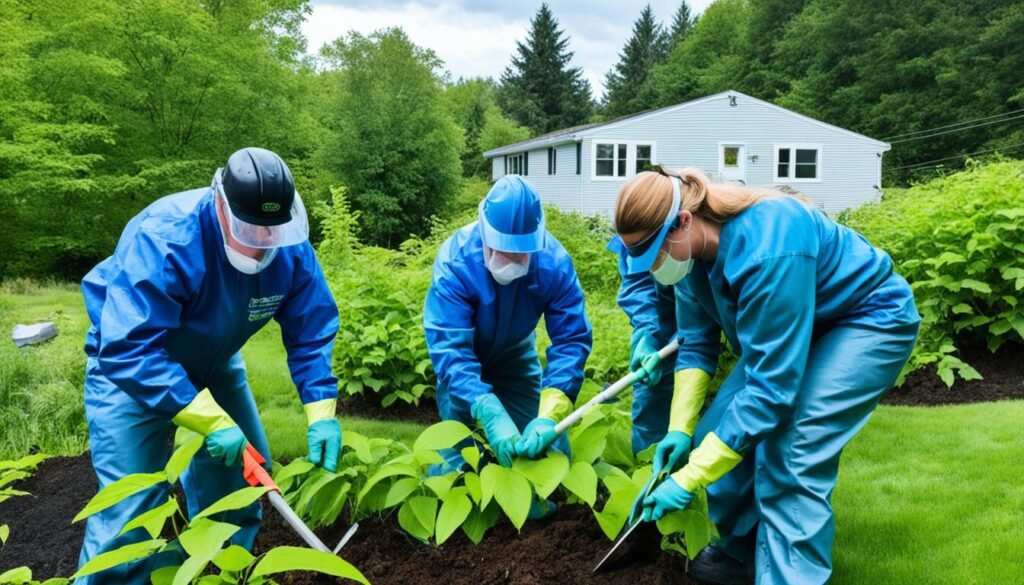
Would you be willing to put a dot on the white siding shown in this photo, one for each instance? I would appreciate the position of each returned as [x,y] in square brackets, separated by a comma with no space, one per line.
[497,167]
[561,189]
[848,165]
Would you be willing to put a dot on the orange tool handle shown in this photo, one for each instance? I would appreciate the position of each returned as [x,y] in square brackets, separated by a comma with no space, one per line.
[253,471]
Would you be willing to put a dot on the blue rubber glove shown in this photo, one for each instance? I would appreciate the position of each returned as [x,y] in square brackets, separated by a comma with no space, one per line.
[324,438]
[227,445]
[538,436]
[644,359]
[671,452]
[501,432]
[666,498]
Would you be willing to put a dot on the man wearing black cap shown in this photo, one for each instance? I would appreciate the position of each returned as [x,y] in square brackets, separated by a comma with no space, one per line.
[192,278]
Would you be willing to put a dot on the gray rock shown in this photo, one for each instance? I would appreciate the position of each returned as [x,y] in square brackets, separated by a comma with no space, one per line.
[30,334]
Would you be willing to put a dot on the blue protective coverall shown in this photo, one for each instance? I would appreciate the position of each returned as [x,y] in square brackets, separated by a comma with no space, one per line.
[822,326]
[651,309]
[480,334]
[169,315]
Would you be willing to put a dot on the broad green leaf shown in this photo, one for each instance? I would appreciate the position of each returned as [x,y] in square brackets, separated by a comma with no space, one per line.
[206,537]
[182,456]
[425,509]
[479,522]
[234,558]
[544,474]
[582,481]
[441,484]
[5,531]
[16,576]
[616,510]
[125,554]
[472,456]
[233,501]
[119,490]
[590,443]
[327,505]
[442,435]
[963,309]
[400,490]
[361,445]
[472,482]
[316,482]
[293,558]
[455,507]
[153,520]
[390,470]
[647,455]
[13,476]
[191,568]
[511,490]
[56,581]
[976,285]
[409,520]
[421,458]
[297,467]
[27,462]
[163,575]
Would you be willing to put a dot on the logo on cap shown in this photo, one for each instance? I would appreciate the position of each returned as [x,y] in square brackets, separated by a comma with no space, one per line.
[270,207]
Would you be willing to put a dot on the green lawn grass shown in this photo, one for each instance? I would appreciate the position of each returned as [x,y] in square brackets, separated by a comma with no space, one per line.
[926,495]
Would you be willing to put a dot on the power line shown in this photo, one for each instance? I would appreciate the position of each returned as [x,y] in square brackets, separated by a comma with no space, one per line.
[958,129]
[1002,148]
[952,125]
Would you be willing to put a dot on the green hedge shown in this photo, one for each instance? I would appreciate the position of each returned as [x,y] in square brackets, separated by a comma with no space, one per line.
[958,241]
[380,294]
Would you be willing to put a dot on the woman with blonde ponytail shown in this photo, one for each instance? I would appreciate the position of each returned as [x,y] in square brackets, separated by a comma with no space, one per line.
[822,327]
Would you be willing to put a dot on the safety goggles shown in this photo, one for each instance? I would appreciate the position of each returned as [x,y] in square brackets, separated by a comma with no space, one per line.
[640,257]
[294,231]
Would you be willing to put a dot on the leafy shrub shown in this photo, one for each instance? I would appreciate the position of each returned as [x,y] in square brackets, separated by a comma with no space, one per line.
[201,539]
[957,241]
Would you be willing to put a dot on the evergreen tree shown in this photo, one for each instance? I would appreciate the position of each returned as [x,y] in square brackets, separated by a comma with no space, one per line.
[682,25]
[628,86]
[539,89]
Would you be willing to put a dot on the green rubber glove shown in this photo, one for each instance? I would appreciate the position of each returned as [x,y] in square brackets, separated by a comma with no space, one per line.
[501,432]
[554,405]
[323,435]
[227,446]
[671,452]
[668,497]
[644,359]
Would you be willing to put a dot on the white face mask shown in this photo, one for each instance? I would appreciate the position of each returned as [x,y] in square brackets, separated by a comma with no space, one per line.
[671,270]
[247,265]
[504,270]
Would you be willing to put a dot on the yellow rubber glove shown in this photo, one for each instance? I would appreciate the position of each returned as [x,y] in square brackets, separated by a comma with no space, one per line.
[688,395]
[203,415]
[707,464]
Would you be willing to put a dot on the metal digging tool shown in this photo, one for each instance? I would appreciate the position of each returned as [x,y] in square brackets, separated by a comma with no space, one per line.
[609,392]
[256,475]
[634,513]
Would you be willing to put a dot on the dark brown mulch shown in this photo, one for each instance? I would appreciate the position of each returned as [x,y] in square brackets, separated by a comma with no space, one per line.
[562,550]
[1002,372]
[367,405]
[42,536]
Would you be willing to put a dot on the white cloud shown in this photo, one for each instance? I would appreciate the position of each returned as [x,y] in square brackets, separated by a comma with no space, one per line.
[478,38]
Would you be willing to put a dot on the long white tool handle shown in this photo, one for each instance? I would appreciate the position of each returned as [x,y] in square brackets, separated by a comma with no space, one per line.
[297,525]
[610,391]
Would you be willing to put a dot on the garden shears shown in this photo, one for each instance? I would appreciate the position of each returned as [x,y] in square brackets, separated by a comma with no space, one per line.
[254,473]
[609,392]
[634,515]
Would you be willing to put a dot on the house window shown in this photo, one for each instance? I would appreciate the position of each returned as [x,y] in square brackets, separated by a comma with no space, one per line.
[516,164]
[798,162]
[622,159]
[730,156]
[579,157]
[552,160]
[643,157]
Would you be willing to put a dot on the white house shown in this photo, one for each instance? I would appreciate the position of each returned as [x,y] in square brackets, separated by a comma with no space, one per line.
[730,135]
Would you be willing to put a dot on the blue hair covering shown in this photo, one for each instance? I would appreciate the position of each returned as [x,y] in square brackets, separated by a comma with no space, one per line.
[511,217]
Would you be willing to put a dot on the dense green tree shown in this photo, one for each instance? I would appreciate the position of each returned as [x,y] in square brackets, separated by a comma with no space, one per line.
[628,87]
[540,90]
[392,143]
[473,104]
[712,57]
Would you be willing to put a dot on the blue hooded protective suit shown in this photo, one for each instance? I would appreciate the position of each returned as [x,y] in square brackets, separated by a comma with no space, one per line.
[169,315]
[481,334]
[822,326]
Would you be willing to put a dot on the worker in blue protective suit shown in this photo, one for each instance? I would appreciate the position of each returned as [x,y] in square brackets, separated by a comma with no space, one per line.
[651,309]
[192,278]
[492,282]
[822,327]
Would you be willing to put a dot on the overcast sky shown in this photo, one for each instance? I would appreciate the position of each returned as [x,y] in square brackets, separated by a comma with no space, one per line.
[477,38]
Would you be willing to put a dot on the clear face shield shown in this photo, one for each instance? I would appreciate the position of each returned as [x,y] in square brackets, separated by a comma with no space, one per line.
[294,231]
